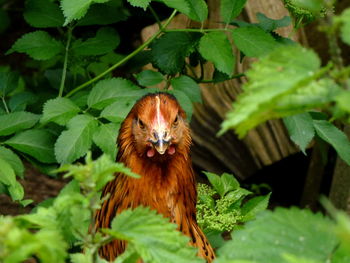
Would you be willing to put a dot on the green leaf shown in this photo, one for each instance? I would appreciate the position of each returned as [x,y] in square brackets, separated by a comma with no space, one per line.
[216,182]
[229,182]
[154,238]
[107,91]
[43,14]
[8,82]
[301,129]
[216,48]
[105,137]
[119,109]
[39,45]
[230,9]
[184,101]
[16,191]
[76,141]
[19,101]
[334,137]
[187,86]
[8,178]
[106,40]
[269,24]
[149,78]
[274,78]
[169,51]
[253,41]
[182,6]
[36,143]
[198,10]
[254,206]
[17,121]
[11,158]
[284,231]
[59,110]
[140,3]
[345,27]
[75,10]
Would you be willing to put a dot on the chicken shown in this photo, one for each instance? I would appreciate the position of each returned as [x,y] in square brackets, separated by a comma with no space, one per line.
[154,141]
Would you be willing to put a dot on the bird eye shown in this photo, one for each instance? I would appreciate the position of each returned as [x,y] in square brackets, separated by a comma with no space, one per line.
[176,121]
[141,124]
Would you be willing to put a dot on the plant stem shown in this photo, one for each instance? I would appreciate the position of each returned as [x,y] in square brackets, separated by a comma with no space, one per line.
[200,30]
[122,61]
[215,81]
[65,63]
[5,105]
[155,16]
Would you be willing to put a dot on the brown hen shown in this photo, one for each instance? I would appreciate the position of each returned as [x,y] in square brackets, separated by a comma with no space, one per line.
[154,141]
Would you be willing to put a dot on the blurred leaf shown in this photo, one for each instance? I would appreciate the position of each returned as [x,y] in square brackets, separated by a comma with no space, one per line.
[75,10]
[106,40]
[301,129]
[149,78]
[59,110]
[184,101]
[17,121]
[19,101]
[8,82]
[216,48]
[253,41]
[43,14]
[334,137]
[105,137]
[284,231]
[169,51]
[76,140]
[8,178]
[231,9]
[254,206]
[11,158]
[269,24]
[345,27]
[154,238]
[107,91]
[278,76]
[36,143]
[187,86]
[38,44]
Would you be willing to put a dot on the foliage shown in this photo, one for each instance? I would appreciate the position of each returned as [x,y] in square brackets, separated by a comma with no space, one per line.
[224,206]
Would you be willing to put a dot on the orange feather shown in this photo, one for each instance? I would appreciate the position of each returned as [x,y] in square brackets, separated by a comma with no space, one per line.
[154,141]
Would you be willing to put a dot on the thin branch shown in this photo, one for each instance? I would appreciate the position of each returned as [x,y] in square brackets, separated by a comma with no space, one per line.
[5,105]
[125,59]
[65,63]
[156,17]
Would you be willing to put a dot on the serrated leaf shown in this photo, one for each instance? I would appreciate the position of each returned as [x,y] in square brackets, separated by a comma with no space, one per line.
[59,110]
[105,137]
[140,3]
[106,40]
[334,137]
[75,10]
[43,14]
[36,143]
[253,41]
[187,86]
[17,121]
[107,91]
[184,101]
[118,110]
[169,51]
[274,78]
[284,231]
[149,78]
[230,9]
[154,238]
[301,129]
[11,158]
[216,48]
[38,44]
[76,141]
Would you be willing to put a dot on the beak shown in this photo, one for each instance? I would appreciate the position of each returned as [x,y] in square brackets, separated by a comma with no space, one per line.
[161,140]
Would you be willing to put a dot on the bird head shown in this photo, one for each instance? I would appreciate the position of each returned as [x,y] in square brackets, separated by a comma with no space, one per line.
[159,127]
